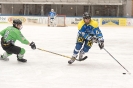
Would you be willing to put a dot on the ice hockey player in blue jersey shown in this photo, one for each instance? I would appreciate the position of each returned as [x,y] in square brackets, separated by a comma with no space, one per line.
[88,34]
[52,15]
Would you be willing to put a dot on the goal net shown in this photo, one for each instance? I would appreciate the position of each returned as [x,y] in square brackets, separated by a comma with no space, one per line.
[59,21]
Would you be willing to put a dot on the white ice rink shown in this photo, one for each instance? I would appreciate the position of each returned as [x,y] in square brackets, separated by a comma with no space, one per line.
[46,70]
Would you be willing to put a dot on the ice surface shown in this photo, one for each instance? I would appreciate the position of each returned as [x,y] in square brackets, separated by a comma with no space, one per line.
[46,70]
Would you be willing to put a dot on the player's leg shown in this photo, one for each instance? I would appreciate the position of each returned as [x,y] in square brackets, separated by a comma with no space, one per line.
[77,48]
[75,53]
[21,55]
[85,49]
[51,21]
[5,47]
[5,55]
[19,51]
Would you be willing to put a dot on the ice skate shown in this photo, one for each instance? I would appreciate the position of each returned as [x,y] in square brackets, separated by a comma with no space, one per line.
[21,59]
[81,54]
[72,60]
[5,59]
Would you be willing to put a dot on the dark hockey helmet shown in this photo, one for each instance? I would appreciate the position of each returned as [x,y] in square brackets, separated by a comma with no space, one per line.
[86,15]
[17,21]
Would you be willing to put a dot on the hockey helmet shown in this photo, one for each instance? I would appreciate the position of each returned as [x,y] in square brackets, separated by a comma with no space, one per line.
[17,21]
[52,10]
[86,15]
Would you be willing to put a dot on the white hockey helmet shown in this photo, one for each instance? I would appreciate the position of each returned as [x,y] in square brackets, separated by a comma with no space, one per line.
[52,10]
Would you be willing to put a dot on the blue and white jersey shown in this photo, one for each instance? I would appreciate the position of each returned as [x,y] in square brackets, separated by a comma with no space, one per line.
[91,28]
[52,14]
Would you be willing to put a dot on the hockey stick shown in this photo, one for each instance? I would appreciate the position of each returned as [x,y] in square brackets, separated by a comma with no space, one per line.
[117,61]
[61,54]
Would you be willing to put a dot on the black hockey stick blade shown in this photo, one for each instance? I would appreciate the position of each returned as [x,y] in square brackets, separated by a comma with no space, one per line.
[82,59]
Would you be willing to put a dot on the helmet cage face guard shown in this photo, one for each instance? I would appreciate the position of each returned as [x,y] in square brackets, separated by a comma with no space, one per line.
[87,17]
[21,26]
[18,26]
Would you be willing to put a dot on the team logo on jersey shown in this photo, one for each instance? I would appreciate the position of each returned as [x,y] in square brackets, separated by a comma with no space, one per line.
[87,30]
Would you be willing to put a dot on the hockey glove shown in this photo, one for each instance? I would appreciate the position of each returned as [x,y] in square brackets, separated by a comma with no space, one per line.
[101,43]
[94,39]
[33,46]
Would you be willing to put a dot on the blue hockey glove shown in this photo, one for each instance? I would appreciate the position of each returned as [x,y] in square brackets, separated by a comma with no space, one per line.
[101,43]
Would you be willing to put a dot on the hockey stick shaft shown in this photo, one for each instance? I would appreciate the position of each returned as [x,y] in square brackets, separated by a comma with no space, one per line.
[61,54]
[54,53]
[116,60]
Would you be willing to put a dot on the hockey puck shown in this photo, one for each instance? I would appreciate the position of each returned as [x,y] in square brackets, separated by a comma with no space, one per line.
[124,73]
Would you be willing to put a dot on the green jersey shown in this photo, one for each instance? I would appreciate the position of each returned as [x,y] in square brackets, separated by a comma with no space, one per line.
[12,34]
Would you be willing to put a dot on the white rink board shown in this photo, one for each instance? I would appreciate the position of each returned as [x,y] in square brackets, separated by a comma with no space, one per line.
[69,21]
[46,70]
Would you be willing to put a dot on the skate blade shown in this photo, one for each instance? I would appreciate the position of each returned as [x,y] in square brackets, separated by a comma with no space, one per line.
[7,59]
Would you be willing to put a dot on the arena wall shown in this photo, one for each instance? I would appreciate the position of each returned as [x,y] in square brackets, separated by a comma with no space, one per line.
[69,21]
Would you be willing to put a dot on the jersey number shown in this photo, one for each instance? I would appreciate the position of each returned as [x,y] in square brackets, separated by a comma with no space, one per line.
[97,32]
[6,34]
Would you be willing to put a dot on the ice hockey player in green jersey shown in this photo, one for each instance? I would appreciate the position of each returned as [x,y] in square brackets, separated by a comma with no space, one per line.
[9,37]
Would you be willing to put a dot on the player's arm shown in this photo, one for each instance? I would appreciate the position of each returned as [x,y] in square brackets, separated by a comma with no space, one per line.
[55,14]
[81,28]
[22,39]
[99,37]
[2,32]
[98,32]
